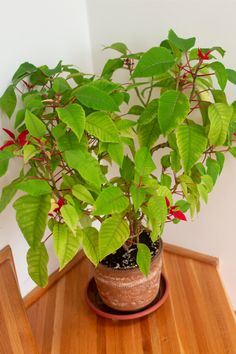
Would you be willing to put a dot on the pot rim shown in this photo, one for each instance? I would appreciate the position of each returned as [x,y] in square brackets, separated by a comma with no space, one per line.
[157,255]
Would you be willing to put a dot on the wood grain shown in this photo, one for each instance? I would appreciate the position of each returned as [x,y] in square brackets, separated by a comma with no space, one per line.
[196,319]
[15,331]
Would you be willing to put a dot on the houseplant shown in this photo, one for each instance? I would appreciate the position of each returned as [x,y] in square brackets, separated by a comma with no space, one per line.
[169,149]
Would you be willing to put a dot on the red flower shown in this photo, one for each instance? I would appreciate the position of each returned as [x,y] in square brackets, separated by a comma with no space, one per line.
[22,138]
[60,202]
[8,143]
[178,215]
[175,213]
[203,56]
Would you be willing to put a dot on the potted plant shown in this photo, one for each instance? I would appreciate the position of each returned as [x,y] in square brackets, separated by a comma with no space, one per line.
[168,149]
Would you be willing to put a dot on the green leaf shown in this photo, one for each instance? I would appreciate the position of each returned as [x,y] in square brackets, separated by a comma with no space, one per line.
[220,73]
[20,116]
[233,151]
[66,244]
[81,193]
[60,85]
[192,142]
[4,161]
[111,66]
[37,259]
[207,181]
[155,61]
[23,70]
[92,97]
[8,101]
[231,75]
[173,109]
[111,200]
[136,110]
[34,125]
[116,152]
[149,113]
[143,162]
[138,196]
[163,191]
[203,192]
[165,180]
[70,217]
[182,205]
[127,169]
[29,151]
[219,96]
[8,193]
[34,187]
[73,116]
[113,234]
[91,244]
[180,43]
[59,130]
[157,208]
[175,161]
[143,258]
[87,166]
[31,216]
[219,116]
[101,126]
[119,46]
[213,169]
[148,133]
[220,157]
[68,141]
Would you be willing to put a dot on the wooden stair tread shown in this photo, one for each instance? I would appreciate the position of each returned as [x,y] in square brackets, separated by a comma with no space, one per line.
[15,330]
[196,319]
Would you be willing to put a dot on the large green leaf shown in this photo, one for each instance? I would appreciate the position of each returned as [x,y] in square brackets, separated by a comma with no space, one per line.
[148,133]
[70,217]
[155,61]
[82,193]
[157,209]
[4,161]
[213,169]
[66,245]
[23,70]
[173,109]
[110,66]
[73,116]
[119,46]
[8,101]
[181,43]
[100,125]
[149,113]
[31,215]
[92,97]
[37,259]
[116,152]
[8,193]
[143,162]
[34,187]
[143,258]
[34,125]
[87,166]
[60,85]
[111,200]
[192,142]
[138,195]
[91,244]
[219,115]
[113,234]
[231,75]
[68,141]
[221,73]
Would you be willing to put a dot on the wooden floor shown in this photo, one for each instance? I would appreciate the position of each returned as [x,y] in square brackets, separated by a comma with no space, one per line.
[196,319]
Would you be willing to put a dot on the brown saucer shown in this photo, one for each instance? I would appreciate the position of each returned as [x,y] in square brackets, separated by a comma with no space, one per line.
[97,305]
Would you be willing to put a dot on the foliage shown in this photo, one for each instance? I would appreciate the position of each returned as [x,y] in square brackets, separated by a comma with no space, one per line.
[72,127]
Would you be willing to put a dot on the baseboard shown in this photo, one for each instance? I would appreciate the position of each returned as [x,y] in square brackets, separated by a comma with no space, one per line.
[184,252]
[37,292]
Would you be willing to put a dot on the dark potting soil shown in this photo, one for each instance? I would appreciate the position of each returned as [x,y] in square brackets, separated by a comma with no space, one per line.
[127,259]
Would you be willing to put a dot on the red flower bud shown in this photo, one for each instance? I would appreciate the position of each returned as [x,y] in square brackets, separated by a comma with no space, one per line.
[22,138]
[178,215]
[167,202]
[8,132]
[8,143]
[203,56]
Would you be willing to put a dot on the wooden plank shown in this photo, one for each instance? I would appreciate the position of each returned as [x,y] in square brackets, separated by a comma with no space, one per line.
[184,252]
[15,331]
[196,318]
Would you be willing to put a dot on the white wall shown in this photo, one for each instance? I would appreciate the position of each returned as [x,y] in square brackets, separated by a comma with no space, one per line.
[41,32]
[142,24]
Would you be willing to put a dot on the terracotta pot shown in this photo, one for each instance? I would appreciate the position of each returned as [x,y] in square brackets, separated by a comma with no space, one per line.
[129,289]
